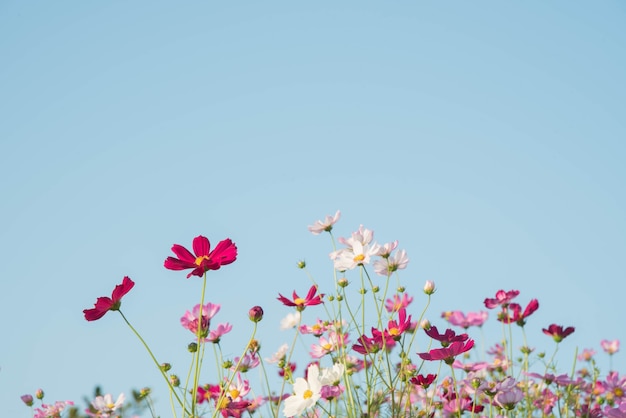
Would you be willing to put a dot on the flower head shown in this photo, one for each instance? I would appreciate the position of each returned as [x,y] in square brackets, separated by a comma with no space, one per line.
[300,303]
[610,347]
[306,393]
[326,225]
[502,298]
[204,259]
[103,406]
[397,303]
[557,332]
[105,304]
[194,318]
[458,318]
[447,354]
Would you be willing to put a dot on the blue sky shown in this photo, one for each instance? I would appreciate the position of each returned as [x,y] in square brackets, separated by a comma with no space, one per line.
[487,137]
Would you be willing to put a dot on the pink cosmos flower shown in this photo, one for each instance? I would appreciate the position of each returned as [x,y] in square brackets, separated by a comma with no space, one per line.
[557,332]
[103,406]
[586,355]
[424,381]
[215,335]
[447,354]
[204,259]
[105,304]
[300,303]
[610,347]
[326,225]
[359,250]
[395,329]
[191,319]
[459,319]
[502,298]
[397,303]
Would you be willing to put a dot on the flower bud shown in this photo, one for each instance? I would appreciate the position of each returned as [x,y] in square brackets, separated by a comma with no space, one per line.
[192,347]
[331,298]
[174,380]
[144,392]
[425,324]
[343,282]
[255,314]
[227,364]
[375,289]
[39,394]
[255,346]
[429,287]
[339,298]
[400,289]
[301,264]
[165,367]
[27,399]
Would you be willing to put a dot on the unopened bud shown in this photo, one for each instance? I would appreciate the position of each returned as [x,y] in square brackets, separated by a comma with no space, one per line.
[343,282]
[27,399]
[39,394]
[255,314]
[375,289]
[174,380]
[166,367]
[301,264]
[339,298]
[425,324]
[144,392]
[362,291]
[429,287]
[192,347]
[227,364]
[331,298]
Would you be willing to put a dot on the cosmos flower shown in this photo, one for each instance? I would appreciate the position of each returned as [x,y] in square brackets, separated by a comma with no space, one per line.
[610,347]
[306,393]
[300,303]
[502,299]
[557,332]
[447,354]
[105,304]
[103,406]
[204,259]
[326,225]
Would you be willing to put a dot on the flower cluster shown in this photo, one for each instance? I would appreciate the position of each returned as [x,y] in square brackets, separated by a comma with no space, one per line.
[372,352]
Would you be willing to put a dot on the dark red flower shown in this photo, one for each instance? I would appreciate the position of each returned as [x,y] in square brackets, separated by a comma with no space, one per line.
[424,381]
[301,303]
[447,354]
[204,259]
[105,304]
[557,332]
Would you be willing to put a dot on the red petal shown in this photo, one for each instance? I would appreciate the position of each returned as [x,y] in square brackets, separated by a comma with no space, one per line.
[172,263]
[121,289]
[101,307]
[201,246]
[183,254]
[224,253]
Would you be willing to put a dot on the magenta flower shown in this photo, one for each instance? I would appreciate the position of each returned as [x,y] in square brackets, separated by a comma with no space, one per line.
[502,298]
[518,316]
[447,354]
[557,332]
[395,329]
[300,303]
[204,259]
[191,319]
[447,338]
[215,335]
[424,381]
[105,304]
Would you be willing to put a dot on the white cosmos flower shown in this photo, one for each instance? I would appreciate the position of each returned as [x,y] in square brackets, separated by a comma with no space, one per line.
[290,321]
[105,406]
[331,375]
[306,393]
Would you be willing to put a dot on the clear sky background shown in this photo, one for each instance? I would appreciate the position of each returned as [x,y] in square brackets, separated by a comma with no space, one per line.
[488,137]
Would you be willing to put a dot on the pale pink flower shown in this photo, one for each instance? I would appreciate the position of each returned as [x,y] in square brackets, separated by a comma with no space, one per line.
[51,411]
[279,355]
[238,389]
[385,250]
[334,341]
[386,266]
[509,397]
[249,361]
[459,319]
[359,250]
[215,335]
[326,225]
[316,329]
[610,347]
[586,355]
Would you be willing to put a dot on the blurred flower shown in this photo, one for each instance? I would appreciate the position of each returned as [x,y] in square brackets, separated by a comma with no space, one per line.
[27,399]
[557,332]
[204,259]
[291,320]
[459,319]
[610,347]
[103,406]
[397,302]
[105,304]
[502,298]
[447,354]
[216,334]
[255,314]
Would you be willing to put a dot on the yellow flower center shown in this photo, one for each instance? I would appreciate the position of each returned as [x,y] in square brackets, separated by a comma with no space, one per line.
[359,258]
[618,392]
[223,403]
[110,406]
[234,393]
[200,259]
[307,394]
[327,346]
[299,301]
[394,331]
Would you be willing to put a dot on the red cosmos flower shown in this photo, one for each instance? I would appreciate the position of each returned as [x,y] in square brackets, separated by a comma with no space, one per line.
[424,381]
[204,259]
[557,332]
[300,303]
[447,337]
[447,354]
[502,298]
[105,304]
[518,317]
